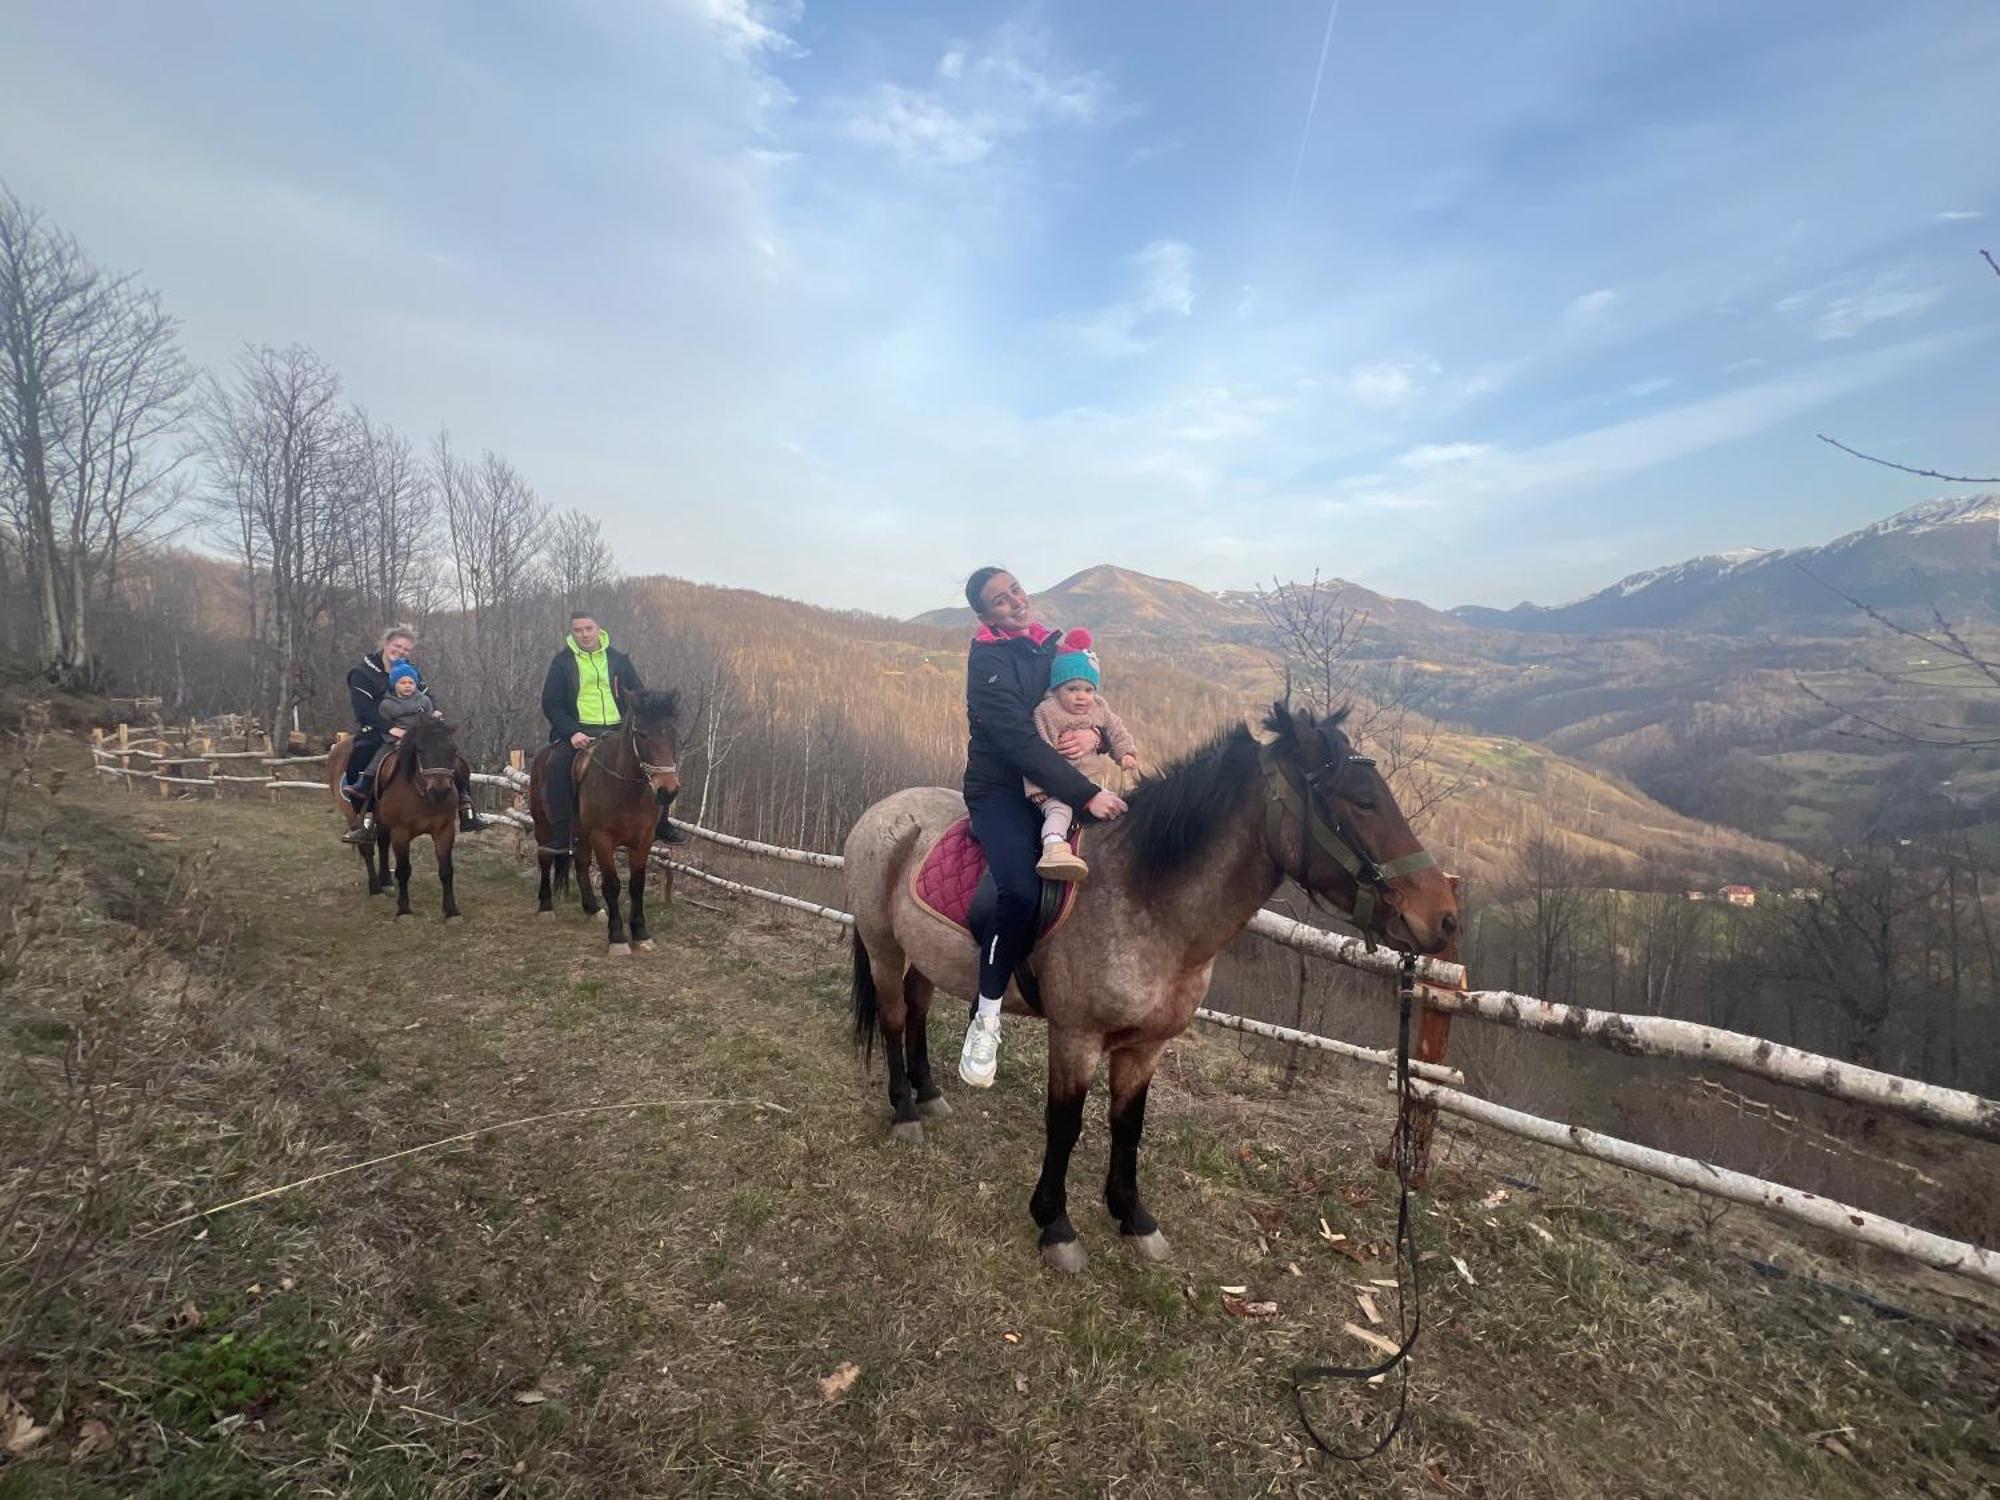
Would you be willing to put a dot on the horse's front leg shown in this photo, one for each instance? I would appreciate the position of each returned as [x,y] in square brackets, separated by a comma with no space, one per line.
[636,860]
[1131,1077]
[606,855]
[1073,1059]
[442,842]
[402,845]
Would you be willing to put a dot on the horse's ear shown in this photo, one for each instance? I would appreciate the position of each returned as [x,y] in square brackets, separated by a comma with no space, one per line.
[1280,722]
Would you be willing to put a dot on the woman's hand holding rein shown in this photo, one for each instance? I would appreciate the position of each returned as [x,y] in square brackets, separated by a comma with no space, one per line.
[1105,806]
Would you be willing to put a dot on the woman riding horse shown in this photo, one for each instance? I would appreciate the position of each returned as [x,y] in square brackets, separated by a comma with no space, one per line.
[367,686]
[1006,675]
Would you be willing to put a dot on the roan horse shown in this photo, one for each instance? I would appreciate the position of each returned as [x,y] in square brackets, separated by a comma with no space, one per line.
[1172,882]
[416,795]
[614,810]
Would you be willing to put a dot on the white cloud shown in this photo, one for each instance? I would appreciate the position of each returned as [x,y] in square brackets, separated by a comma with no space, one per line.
[1392,382]
[1442,455]
[1589,308]
[1960,215]
[1650,387]
[977,102]
[1162,286]
[747,27]
[1846,306]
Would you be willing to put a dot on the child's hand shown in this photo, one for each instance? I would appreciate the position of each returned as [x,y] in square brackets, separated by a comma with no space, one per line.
[437,713]
[1130,763]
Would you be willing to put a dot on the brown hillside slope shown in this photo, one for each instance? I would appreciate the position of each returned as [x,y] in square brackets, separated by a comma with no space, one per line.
[646,1301]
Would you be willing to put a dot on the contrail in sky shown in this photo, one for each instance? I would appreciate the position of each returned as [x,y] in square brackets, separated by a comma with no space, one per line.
[1312,104]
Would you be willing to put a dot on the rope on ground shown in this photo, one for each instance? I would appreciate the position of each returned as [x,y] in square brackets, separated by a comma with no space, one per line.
[452,1140]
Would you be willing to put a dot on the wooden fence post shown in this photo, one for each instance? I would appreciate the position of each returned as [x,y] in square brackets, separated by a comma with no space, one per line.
[125,760]
[516,761]
[1433,1039]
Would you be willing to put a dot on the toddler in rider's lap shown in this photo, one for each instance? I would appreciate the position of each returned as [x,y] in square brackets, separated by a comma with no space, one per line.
[405,707]
[1074,702]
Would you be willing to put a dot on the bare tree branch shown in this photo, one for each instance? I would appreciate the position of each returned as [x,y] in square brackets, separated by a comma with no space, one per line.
[1905,468]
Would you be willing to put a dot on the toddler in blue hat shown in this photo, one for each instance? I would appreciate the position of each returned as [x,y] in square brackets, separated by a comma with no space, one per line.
[1074,702]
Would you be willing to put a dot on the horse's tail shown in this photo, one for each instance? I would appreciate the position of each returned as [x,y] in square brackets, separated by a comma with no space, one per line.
[867,1024]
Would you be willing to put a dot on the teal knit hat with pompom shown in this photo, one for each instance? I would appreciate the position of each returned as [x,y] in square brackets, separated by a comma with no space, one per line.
[1076,662]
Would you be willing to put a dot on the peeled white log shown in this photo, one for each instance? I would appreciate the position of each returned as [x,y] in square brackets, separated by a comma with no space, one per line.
[1433,1071]
[1660,1036]
[752,846]
[1719,1182]
[1351,950]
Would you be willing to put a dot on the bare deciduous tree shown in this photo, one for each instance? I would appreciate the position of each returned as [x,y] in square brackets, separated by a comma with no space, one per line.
[92,385]
[580,562]
[1317,640]
[283,467]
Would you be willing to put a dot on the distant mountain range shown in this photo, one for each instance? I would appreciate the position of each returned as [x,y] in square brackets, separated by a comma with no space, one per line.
[1945,553]
[1701,682]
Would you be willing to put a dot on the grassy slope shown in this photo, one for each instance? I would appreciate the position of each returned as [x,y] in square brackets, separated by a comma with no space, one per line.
[675,1283]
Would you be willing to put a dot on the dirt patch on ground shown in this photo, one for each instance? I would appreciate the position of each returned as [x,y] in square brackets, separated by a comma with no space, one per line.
[734,1285]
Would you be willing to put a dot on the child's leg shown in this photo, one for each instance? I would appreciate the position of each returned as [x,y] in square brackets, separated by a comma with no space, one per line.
[1056,819]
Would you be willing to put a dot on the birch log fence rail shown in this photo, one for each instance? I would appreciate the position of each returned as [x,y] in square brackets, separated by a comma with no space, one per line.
[1443,990]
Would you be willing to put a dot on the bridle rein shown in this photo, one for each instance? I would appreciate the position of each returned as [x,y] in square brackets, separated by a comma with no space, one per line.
[1322,830]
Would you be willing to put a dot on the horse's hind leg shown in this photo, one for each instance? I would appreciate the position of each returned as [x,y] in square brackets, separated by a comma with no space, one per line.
[581,867]
[889,972]
[1131,1077]
[376,883]
[545,905]
[1073,1059]
[917,992]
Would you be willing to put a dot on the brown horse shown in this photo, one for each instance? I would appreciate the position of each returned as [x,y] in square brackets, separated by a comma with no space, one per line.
[615,809]
[1172,882]
[416,794]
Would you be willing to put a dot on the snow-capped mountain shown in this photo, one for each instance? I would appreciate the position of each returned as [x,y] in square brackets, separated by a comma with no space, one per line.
[1943,554]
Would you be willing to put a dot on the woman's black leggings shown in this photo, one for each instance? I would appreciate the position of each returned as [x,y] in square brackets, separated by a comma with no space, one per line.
[1009,829]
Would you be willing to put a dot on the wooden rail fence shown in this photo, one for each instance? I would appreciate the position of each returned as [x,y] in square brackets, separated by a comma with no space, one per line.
[1444,993]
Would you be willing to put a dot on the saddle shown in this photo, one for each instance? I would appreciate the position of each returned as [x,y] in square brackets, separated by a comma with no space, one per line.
[953,884]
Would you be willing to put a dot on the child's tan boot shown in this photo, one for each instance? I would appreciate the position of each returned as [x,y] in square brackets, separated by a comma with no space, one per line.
[1060,862]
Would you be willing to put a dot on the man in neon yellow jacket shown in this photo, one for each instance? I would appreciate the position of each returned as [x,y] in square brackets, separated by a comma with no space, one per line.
[584,696]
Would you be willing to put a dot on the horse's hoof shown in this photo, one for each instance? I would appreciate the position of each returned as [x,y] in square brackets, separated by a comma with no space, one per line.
[935,1109]
[620,950]
[645,945]
[549,914]
[457,916]
[907,1133]
[402,914]
[1152,1247]
[1066,1257]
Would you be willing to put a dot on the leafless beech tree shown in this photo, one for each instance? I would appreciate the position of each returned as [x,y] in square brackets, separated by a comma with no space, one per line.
[283,461]
[580,562]
[393,527]
[1973,666]
[92,387]
[1317,640]
[496,528]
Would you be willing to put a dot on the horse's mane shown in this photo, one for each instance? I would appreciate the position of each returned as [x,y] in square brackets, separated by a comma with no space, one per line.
[1177,815]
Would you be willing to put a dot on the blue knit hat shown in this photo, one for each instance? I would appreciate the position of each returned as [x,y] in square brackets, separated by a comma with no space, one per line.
[1076,662]
[401,670]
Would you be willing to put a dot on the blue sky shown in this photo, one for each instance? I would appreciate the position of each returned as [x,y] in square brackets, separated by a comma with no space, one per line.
[839,300]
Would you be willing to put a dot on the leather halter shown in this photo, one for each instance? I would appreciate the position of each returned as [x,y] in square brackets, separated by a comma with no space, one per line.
[647,770]
[1327,834]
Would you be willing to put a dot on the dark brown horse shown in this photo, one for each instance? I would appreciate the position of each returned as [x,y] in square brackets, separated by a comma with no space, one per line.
[416,794]
[615,809]
[1172,882]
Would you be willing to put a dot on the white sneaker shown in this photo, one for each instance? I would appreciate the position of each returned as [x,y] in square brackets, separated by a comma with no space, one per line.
[979,1060]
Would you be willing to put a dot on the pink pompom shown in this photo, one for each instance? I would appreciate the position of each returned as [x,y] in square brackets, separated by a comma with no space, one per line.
[1077,639]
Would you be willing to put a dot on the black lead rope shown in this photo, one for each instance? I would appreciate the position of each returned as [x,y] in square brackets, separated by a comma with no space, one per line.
[1402,1149]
